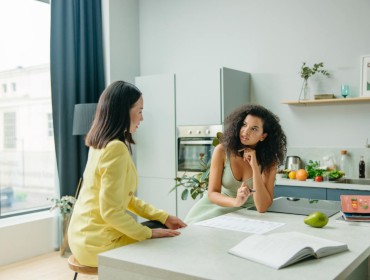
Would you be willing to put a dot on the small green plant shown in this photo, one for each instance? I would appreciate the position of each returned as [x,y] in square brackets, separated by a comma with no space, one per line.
[197,184]
[313,169]
[307,72]
[64,204]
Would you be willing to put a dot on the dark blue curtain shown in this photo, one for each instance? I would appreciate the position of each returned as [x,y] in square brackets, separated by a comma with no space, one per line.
[77,76]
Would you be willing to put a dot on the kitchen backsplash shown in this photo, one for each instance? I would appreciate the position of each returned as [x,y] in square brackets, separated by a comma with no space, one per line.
[317,154]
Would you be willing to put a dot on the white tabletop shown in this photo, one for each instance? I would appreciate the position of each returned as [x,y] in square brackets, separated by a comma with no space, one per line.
[201,253]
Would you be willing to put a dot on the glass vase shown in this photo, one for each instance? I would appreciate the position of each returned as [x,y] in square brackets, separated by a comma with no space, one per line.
[63,227]
[305,91]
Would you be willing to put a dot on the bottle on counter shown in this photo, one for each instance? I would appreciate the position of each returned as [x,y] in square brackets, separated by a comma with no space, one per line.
[344,162]
[361,168]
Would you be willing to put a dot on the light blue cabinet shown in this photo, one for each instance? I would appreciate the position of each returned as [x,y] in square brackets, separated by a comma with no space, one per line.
[334,194]
[206,98]
[314,192]
[300,192]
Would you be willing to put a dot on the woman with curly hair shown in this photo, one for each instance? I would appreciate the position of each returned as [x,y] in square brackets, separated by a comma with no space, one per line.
[244,165]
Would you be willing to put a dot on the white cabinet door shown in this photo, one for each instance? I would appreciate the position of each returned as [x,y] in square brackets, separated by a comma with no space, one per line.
[207,98]
[198,98]
[157,193]
[234,90]
[183,206]
[156,137]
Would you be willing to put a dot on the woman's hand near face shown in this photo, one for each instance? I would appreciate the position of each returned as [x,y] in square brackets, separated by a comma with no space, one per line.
[250,156]
[163,232]
[173,222]
[242,195]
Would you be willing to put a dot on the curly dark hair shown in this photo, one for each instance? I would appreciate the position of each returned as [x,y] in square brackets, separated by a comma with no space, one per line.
[269,152]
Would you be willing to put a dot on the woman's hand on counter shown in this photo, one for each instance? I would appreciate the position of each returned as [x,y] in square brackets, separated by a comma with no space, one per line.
[173,222]
[164,232]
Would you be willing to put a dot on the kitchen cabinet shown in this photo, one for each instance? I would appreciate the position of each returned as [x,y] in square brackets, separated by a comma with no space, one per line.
[172,100]
[334,194]
[315,192]
[300,192]
[206,98]
[155,149]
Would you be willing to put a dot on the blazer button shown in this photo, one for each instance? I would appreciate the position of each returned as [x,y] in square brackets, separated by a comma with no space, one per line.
[130,193]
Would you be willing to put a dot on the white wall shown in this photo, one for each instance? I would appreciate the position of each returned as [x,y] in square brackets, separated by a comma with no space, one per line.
[23,237]
[269,39]
[121,40]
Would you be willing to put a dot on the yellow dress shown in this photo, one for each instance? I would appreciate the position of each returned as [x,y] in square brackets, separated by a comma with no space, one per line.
[101,218]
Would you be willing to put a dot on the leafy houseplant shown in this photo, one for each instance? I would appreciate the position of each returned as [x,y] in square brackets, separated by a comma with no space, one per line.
[197,184]
[64,204]
[307,72]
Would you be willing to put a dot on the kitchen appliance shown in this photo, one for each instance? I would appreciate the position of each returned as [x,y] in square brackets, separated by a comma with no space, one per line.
[293,163]
[194,143]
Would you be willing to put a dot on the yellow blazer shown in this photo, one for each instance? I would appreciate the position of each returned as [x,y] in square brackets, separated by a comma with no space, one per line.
[101,220]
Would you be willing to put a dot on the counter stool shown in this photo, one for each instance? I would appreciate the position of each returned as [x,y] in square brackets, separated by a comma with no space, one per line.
[79,268]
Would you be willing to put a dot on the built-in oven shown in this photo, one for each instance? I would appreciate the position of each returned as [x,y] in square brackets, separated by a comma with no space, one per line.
[194,143]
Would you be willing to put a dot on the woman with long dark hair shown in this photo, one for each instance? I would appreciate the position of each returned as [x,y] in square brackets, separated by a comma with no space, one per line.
[101,218]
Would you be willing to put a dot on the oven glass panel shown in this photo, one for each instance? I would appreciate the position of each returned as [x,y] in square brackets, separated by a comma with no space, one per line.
[190,152]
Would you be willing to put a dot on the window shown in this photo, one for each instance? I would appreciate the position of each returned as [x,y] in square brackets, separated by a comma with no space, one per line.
[27,156]
[14,87]
[9,130]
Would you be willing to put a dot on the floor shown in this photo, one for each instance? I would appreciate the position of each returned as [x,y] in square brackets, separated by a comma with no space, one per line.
[50,266]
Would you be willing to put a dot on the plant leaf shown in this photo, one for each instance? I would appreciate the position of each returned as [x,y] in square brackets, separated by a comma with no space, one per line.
[184,194]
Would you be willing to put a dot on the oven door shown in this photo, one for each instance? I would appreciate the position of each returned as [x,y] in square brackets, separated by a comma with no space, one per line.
[192,151]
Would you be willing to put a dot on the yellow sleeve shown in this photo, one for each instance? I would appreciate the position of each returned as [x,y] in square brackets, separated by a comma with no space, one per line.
[118,183]
[147,211]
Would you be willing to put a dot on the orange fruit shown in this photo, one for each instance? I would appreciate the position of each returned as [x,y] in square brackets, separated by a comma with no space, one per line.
[292,175]
[301,175]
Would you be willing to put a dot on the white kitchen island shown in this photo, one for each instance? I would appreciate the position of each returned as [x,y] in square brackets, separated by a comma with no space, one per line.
[201,253]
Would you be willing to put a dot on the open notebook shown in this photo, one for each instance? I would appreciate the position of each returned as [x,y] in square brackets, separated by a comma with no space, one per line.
[279,250]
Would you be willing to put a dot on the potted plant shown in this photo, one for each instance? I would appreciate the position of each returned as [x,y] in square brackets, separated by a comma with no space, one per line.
[307,72]
[65,205]
[197,184]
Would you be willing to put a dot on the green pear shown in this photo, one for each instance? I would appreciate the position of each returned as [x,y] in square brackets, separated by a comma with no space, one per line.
[317,220]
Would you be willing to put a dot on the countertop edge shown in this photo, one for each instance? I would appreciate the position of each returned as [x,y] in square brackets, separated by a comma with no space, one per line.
[327,185]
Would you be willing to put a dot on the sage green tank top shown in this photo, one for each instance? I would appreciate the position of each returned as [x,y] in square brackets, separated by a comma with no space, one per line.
[230,185]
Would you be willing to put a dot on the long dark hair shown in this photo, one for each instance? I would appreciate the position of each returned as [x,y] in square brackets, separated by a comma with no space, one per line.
[112,118]
[272,150]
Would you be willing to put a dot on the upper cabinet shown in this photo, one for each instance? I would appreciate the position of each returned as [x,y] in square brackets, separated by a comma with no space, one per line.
[207,98]
[329,101]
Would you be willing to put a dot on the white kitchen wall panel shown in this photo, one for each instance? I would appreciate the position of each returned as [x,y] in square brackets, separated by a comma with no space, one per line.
[156,191]
[156,142]
[156,136]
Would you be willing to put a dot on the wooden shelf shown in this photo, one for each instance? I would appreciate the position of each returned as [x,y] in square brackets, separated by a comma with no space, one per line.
[328,101]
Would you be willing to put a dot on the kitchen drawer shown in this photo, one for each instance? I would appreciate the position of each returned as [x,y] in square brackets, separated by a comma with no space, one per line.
[334,194]
[300,192]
